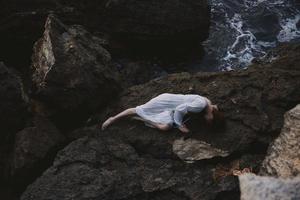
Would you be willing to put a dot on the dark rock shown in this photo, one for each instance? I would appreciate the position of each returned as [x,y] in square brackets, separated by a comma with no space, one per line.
[72,70]
[13,109]
[33,147]
[268,188]
[283,159]
[107,168]
[138,72]
[253,100]
[13,102]
[21,25]
[155,19]
[160,26]
[180,22]
[132,161]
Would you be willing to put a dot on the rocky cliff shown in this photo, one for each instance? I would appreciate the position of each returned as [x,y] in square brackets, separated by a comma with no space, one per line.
[282,161]
[132,161]
[51,146]
[171,25]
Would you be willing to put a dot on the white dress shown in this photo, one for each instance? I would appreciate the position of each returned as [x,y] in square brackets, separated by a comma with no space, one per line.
[170,108]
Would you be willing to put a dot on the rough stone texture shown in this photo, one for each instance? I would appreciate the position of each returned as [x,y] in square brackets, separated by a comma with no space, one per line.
[33,144]
[138,72]
[191,150]
[13,109]
[107,168]
[187,20]
[268,188]
[169,24]
[158,19]
[283,157]
[132,161]
[72,69]
[253,100]
[21,25]
[12,101]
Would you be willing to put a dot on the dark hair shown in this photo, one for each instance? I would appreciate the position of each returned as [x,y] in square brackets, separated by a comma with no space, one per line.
[196,121]
[218,121]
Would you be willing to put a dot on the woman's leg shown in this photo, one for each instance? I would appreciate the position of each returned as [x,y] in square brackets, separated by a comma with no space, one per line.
[162,127]
[129,112]
[125,113]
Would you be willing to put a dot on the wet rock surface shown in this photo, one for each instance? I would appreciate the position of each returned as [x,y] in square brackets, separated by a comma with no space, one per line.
[283,159]
[72,69]
[268,188]
[132,161]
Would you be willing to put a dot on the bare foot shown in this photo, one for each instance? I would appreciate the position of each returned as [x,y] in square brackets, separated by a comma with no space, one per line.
[107,123]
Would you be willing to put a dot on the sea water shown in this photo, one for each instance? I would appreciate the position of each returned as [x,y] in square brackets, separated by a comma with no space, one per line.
[242,30]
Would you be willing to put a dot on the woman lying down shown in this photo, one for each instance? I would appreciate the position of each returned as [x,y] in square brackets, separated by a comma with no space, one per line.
[167,110]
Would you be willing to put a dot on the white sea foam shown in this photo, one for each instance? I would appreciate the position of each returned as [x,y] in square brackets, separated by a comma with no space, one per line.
[245,46]
[289,30]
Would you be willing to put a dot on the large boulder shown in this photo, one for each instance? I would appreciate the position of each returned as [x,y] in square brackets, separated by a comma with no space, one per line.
[268,188]
[283,157]
[162,25]
[106,167]
[13,109]
[20,26]
[72,70]
[34,149]
[132,161]
[282,161]
[22,22]
[13,102]
[253,100]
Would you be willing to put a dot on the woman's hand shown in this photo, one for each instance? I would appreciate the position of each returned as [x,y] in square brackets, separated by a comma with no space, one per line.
[183,129]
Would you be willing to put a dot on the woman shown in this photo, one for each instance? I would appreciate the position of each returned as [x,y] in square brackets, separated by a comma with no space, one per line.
[167,110]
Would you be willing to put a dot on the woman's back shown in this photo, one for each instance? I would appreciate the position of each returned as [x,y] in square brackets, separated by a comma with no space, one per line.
[166,107]
[173,100]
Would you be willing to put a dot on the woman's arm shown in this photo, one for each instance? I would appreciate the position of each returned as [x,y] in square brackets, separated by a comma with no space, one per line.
[209,111]
[183,128]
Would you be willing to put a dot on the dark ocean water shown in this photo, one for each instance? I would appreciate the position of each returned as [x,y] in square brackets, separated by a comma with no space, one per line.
[242,30]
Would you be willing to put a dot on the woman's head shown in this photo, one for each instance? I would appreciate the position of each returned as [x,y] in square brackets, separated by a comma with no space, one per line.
[209,113]
[214,120]
[218,120]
